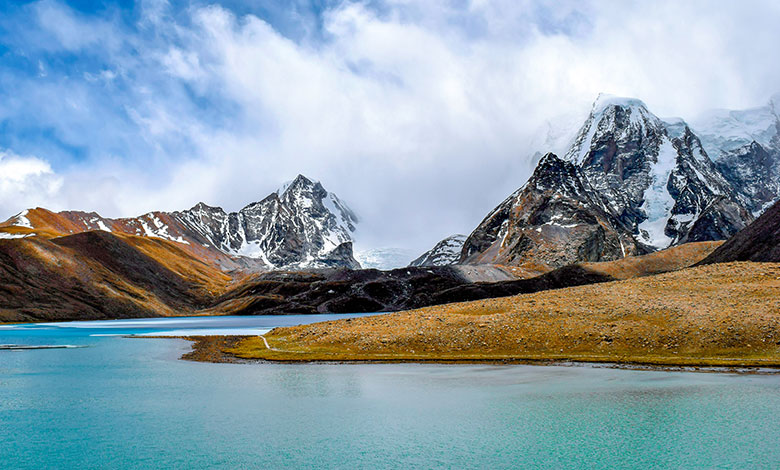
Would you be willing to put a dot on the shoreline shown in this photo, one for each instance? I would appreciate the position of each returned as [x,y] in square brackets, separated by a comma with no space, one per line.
[210,349]
[219,350]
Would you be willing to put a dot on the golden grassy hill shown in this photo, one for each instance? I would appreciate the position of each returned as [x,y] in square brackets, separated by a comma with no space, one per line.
[722,314]
[670,259]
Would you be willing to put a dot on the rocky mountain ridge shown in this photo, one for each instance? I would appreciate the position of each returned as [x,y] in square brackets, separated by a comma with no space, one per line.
[444,253]
[555,219]
[301,225]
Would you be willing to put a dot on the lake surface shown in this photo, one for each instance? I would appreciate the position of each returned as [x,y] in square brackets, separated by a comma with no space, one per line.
[130,403]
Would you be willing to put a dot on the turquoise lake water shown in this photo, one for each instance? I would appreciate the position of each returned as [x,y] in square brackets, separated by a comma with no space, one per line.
[130,403]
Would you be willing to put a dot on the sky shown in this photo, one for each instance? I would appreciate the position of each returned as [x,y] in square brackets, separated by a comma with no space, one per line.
[421,115]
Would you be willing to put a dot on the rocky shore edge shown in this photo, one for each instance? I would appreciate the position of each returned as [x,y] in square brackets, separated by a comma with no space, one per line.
[221,350]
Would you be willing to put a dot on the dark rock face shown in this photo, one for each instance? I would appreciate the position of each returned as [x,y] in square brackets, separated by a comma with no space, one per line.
[339,257]
[754,171]
[759,241]
[347,291]
[444,253]
[556,219]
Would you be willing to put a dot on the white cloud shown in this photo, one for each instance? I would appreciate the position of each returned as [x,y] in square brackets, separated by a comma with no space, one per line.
[70,30]
[26,181]
[422,115]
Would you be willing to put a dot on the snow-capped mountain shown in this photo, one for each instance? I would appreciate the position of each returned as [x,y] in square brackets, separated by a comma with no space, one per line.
[444,253]
[745,146]
[660,186]
[299,226]
[754,173]
[629,184]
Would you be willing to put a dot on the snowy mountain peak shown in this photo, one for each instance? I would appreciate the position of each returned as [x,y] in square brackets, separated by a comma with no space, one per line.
[553,173]
[655,175]
[549,160]
[630,183]
[204,208]
[301,226]
[606,100]
[613,117]
[300,183]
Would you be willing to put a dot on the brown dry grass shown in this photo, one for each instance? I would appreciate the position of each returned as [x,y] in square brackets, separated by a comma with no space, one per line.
[727,314]
[670,259]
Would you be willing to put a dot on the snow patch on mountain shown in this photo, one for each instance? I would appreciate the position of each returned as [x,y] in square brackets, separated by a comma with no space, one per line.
[159,229]
[603,118]
[444,253]
[658,202]
[11,236]
[675,127]
[21,220]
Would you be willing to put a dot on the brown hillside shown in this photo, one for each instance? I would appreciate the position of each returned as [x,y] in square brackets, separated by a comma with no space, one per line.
[97,275]
[725,314]
[48,224]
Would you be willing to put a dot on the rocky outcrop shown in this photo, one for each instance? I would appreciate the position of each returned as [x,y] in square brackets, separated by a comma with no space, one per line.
[556,219]
[754,172]
[370,290]
[444,253]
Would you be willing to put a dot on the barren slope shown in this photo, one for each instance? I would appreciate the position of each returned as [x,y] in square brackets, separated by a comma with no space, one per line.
[97,275]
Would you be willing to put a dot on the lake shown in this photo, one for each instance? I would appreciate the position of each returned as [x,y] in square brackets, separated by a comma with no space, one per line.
[131,403]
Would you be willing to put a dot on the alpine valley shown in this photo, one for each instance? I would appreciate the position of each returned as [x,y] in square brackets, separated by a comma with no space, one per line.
[634,195]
